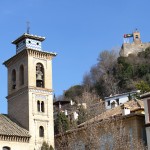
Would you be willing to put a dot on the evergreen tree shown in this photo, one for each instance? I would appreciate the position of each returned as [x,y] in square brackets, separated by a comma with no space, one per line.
[51,148]
[45,146]
[61,124]
[82,115]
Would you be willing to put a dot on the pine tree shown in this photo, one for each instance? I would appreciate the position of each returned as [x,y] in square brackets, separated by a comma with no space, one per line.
[51,148]
[45,146]
[61,123]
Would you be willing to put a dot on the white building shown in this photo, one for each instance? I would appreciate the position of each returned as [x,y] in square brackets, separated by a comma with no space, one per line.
[115,100]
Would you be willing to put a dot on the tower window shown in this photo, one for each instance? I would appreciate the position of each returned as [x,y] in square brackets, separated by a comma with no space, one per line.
[13,79]
[38,106]
[29,41]
[6,148]
[136,36]
[42,106]
[21,75]
[41,131]
[39,75]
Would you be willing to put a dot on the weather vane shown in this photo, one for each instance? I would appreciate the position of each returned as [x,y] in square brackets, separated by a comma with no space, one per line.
[28,27]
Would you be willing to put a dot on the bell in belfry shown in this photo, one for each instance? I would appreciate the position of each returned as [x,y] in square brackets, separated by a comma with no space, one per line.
[39,74]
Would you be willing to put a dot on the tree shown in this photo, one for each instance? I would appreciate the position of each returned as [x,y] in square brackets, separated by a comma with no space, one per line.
[61,124]
[143,87]
[110,133]
[82,115]
[51,148]
[45,146]
[73,91]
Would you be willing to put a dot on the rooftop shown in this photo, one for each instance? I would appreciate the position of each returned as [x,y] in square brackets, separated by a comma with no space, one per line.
[31,36]
[117,111]
[9,128]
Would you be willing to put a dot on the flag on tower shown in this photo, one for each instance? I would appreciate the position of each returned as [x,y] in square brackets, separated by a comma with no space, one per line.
[128,35]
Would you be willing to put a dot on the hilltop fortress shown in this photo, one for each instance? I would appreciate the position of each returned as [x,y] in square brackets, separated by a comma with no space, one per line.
[134,47]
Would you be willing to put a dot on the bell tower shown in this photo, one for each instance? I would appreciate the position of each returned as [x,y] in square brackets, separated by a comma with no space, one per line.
[30,93]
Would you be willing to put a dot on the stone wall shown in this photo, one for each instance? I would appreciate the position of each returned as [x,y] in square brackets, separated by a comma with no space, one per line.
[132,48]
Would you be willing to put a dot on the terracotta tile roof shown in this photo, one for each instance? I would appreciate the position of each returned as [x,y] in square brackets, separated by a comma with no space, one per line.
[10,128]
[117,111]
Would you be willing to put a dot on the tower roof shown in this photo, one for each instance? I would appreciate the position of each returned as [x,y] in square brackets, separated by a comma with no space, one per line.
[30,36]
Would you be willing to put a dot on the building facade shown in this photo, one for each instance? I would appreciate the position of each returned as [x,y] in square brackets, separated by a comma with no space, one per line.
[121,128]
[146,99]
[30,93]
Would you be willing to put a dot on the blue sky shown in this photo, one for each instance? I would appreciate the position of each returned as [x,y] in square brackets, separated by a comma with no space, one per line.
[78,30]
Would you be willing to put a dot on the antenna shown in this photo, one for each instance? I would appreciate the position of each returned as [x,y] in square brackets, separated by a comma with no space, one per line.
[28,27]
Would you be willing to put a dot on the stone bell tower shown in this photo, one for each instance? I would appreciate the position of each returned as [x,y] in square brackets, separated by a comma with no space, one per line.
[30,98]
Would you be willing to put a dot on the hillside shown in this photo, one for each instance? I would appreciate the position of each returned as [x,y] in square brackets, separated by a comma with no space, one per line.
[113,75]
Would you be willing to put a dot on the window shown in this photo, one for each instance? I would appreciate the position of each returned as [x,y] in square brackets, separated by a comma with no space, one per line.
[38,106]
[42,106]
[13,79]
[21,75]
[117,100]
[41,131]
[6,148]
[39,75]
[108,103]
[136,36]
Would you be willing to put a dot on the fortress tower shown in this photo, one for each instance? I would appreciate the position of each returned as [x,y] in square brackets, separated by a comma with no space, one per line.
[30,93]
[134,47]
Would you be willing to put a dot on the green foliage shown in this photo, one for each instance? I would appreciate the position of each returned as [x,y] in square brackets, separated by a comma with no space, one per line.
[131,69]
[82,115]
[61,124]
[51,148]
[143,69]
[145,54]
[113,75]
[73,92]
[143,87]
[45,146]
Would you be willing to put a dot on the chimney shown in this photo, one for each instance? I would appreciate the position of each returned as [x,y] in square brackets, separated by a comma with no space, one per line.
[59,105]
[125,110]
[71,102]
[84,105]
[66,113]
[75,115]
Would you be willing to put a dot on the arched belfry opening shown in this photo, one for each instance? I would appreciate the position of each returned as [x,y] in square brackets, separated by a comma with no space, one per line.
[13,79]
[39,75]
